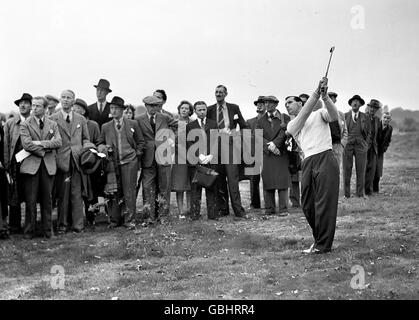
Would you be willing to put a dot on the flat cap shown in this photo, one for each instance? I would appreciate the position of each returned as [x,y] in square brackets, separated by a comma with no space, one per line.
[270,98]
[152,100]
[51,97]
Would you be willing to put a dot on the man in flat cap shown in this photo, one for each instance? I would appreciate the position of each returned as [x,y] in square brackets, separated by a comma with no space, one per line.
[71,184]
[339,131]
[372,153]
[275,174]
[228,116]
[359,137]
[100,111]
[255,179]
[158,129]
[124,139]
[52,104]
[12,145]
[320,176]
[96,181]
[41,137]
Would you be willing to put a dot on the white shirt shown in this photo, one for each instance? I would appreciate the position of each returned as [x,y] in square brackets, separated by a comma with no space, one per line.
[103,105]
[315,136]
[22,119]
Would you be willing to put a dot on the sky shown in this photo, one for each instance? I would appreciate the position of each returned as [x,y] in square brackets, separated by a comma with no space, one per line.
[188,47]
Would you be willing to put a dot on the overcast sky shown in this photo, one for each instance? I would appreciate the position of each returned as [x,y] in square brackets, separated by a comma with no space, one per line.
[187,47]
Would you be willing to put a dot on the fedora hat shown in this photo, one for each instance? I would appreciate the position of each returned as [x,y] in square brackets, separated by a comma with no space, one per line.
[118,101]
[356,97]
[25,96]
[374,103]
[83,104]
[270,99]
[104,84]
[260,99]
[89,161]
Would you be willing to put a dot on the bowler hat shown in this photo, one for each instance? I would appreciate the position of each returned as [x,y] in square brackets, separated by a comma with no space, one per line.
[83,104]
[374,103]
[356,97]
[89,161]
[260,99]
[118,101]
[104,84]
[152,100]
[270,99]
[25,96]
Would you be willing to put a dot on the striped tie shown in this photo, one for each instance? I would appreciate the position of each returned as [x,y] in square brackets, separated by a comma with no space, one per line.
[221,123]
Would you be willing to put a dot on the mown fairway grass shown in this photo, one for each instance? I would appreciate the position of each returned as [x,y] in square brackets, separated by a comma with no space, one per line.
[255,259]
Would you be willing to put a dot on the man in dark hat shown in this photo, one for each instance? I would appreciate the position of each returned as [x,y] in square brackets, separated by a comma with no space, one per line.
[100,111]
[71,184]
[41,137]
[12,145]
[156,162]
[124,139]
[52,104]
[372,153]
[96,180]
[275,172]
[255,179]
[359,135]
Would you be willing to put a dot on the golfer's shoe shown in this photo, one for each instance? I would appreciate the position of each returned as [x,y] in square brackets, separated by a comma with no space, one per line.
[311,250]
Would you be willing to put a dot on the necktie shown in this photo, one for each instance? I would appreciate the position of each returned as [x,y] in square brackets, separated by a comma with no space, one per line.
[153,124]
[202,124]
[221,123]
[118,124]
[67,119]
[356,117]
[41,124]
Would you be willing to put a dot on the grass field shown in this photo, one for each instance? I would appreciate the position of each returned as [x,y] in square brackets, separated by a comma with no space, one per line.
[255,259]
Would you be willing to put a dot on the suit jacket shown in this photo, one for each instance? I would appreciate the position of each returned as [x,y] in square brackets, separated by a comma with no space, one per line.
[365,125]
[50,139]
[233,112]
[205,134]
[384,138]
[154,140]
[108,136]
[375,123]
[95,115]
[11,136]
[73,140]
[94,131]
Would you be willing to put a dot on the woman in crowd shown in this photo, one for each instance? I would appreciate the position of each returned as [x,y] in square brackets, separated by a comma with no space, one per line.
[180,177]
[129,112]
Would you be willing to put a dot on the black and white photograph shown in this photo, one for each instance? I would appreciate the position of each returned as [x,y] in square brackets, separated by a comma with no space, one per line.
[226,152]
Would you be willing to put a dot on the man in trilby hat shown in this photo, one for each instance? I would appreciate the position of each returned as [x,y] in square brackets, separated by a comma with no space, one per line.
[100,111]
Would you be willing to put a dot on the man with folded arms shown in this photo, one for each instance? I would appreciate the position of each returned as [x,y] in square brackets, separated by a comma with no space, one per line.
[40,136]
[126,140]
[320,170]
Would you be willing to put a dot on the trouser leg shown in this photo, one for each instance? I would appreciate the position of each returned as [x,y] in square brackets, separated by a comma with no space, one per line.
[232,171]
[360,167]
[269,197]
[31,183]
[149,189]
[347,164]
[283,200]
[254,191]
[128,179]
[307,193]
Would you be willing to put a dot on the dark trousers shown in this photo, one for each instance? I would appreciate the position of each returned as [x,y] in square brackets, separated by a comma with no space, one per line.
[231,172]
[70,203]
[269,196]
[196,196]
[157,188]
[295,193]
[360,154]
[370,172]
[255,191]
[40,184]
[378,173]
[320,193]
[129,182]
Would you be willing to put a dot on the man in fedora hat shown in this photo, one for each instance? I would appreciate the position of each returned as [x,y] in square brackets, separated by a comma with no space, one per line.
[100,111]
[275,172]
[12,145]
[372,153]
[359,135]
[71,183]
[52,104]
[125,139]
[156,168]
[255,179]
[96,181]
[41,137]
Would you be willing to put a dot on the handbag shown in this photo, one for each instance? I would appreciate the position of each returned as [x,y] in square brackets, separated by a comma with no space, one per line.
[204,176]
